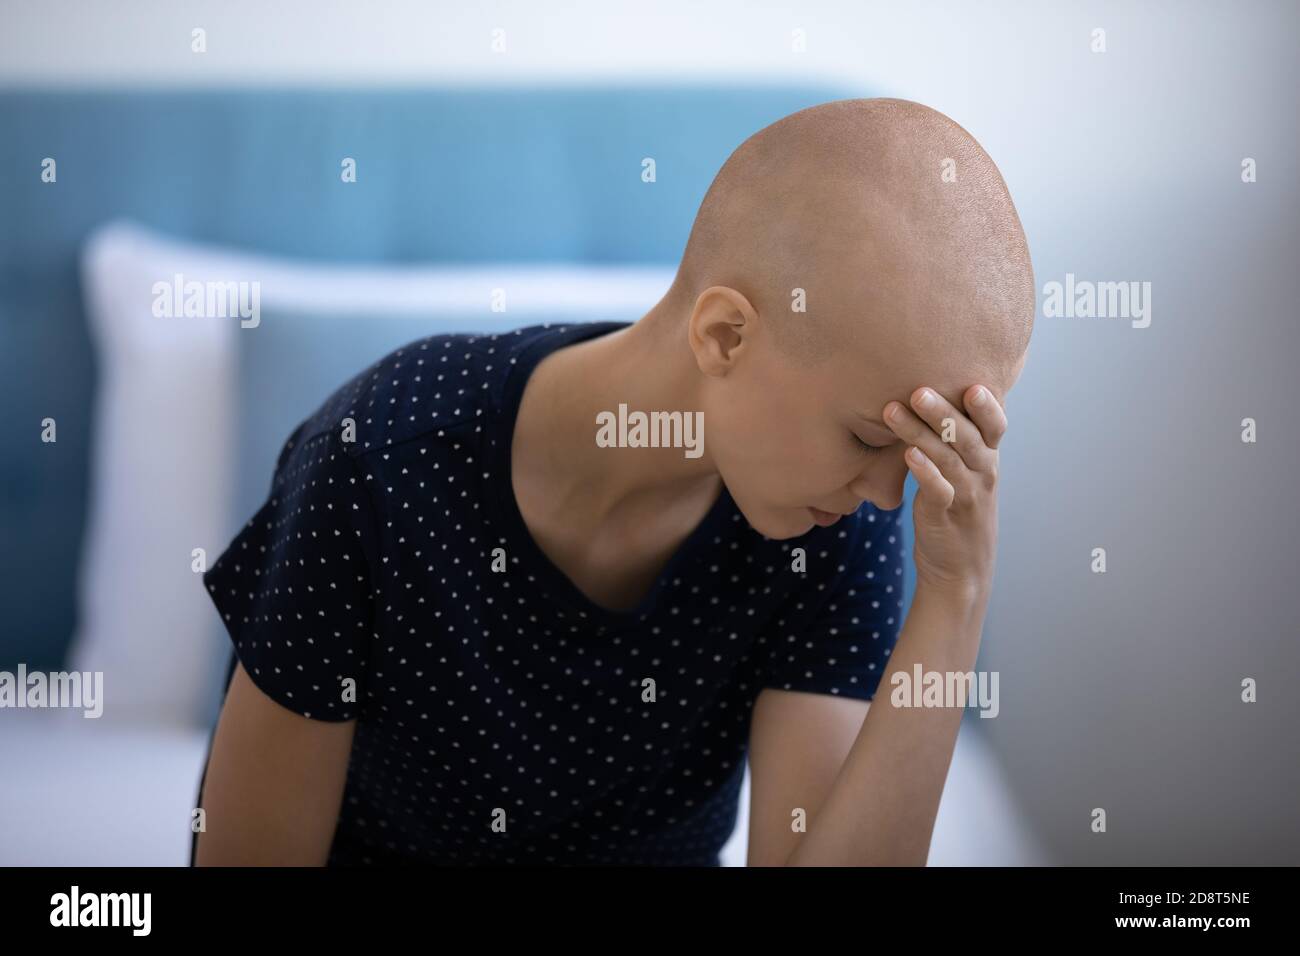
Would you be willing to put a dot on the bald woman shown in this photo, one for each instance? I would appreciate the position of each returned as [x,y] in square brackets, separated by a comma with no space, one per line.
[854,303]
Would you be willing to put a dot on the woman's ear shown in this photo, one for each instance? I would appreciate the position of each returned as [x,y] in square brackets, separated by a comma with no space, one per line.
[722,323]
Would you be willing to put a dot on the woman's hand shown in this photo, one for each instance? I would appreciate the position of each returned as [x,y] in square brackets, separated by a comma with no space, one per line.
[955,513]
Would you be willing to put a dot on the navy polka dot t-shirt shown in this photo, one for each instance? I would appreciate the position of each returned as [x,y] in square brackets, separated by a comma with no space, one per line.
[503,717]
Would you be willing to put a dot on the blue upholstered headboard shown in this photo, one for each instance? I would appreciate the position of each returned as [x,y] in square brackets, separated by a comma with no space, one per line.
[442,175]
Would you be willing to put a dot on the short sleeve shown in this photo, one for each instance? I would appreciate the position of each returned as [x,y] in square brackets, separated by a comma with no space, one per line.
[294,586]
[842,647]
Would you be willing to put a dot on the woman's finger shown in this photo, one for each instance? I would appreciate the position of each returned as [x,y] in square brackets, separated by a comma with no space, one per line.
[987,414]
[939,492]
[953,427]
[942,455]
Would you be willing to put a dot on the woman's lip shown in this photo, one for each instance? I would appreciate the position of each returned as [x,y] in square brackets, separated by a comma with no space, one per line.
[824,518]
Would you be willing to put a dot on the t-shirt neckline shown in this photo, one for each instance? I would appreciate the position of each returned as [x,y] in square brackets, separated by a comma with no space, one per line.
[555,581]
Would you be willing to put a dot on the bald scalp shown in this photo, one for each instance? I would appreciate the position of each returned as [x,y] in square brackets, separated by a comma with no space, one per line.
[889,216]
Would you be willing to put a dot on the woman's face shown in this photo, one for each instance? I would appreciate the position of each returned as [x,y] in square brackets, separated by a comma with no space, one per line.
[787,440]
[798,445]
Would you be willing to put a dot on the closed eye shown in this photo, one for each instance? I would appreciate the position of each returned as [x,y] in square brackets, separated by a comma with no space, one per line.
[867,449]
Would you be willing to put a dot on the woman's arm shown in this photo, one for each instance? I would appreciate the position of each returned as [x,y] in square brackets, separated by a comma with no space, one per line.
[882,806]
[883,803]
[798,742]
[274,783]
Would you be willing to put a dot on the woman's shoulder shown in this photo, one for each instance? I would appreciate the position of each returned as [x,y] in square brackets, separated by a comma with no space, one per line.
[425,388]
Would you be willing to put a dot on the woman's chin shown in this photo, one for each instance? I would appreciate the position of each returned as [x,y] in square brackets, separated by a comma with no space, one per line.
[783,523]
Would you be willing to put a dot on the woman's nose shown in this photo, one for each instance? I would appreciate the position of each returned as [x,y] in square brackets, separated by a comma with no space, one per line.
[882,486]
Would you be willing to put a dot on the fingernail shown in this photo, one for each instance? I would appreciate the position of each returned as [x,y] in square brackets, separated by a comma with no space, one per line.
[978,397]
[925,398]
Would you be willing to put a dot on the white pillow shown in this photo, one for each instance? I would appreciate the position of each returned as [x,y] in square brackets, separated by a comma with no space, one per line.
[165,453]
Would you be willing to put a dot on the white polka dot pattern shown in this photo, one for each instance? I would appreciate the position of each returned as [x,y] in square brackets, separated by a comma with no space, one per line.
[294,587]
[488,696]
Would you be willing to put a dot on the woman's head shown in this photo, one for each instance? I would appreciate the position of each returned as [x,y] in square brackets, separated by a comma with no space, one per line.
[844,256]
